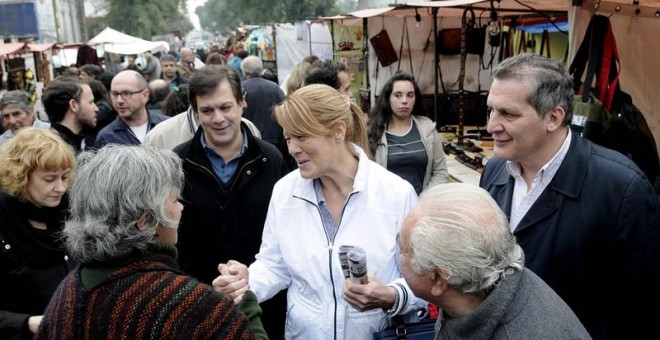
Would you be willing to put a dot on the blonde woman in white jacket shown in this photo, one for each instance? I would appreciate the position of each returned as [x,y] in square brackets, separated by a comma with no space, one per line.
[402,139]
[336,197]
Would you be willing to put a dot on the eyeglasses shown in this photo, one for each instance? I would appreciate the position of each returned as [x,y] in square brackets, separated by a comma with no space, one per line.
[125,95]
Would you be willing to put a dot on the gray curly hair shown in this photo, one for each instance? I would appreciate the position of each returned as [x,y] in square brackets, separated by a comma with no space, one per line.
[114,188]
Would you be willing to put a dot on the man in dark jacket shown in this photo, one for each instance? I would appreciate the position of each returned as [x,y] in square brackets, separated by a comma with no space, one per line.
[230,175]
[69,104]
[586,217]
[129,97]
[261,96]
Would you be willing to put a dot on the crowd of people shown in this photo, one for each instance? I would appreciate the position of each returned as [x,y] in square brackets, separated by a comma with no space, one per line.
[192,199]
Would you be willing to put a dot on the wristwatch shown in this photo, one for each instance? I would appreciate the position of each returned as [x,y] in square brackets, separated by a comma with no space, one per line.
[391,310]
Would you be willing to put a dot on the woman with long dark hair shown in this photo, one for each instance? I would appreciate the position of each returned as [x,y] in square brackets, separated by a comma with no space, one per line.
[402,138]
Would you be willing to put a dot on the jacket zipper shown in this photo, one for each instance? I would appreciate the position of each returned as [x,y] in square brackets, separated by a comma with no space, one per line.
[325,230]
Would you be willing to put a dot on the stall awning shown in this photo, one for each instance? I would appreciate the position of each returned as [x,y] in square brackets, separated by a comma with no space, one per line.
[370,12]
[11,48]
[114,41]
[39,47]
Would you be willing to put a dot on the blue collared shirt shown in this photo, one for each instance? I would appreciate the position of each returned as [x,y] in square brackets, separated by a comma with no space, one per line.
[224,171]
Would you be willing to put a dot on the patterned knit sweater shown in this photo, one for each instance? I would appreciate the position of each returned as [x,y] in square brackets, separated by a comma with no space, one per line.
[147,298]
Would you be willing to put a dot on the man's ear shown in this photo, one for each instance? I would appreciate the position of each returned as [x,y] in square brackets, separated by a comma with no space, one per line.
[145,96]
[555,118]
[439,283]
[73,105]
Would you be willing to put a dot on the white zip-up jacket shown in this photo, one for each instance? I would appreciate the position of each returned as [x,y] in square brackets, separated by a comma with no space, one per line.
[297,253]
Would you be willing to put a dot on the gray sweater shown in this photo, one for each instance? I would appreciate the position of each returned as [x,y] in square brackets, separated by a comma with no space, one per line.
[522,306]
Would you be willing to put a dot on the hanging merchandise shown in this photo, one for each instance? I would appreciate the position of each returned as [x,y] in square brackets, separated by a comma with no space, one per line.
[345,42]
[87,55]
[545,43]
[383,48]
[405,33]
[19,77]
[449,40]
[616,123]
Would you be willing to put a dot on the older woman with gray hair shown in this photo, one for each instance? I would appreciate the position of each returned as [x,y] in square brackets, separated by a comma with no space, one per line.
[123,227]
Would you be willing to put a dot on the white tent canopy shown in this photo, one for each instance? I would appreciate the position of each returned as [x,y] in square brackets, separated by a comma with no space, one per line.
[114,41]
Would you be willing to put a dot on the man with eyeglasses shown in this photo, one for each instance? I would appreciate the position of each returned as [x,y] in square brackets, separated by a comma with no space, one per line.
[129,95]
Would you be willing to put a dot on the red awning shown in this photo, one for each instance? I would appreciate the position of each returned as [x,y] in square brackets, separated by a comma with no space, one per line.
[11,48]
[39,47]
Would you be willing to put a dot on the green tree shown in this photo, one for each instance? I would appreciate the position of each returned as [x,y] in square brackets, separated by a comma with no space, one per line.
[226,15]
[147,18]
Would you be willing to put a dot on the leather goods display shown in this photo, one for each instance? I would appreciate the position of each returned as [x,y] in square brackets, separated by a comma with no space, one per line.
[622,127]
[449,40]
[383,47]
[590,118]
[475,112]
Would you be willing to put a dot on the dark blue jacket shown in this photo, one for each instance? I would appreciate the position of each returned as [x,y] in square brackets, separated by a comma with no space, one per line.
[118,132]
[594,237]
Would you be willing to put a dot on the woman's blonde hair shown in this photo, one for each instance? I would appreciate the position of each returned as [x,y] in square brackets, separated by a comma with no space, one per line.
[297,77]
[316,110]
[31,149]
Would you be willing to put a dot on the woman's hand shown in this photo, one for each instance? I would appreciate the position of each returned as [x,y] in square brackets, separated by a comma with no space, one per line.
[233,280]
[372,295]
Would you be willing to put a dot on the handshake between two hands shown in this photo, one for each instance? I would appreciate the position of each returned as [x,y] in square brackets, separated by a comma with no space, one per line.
[233,280]
[362,291]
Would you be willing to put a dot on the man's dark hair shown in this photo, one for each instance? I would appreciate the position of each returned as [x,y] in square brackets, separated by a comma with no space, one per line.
[92,69]
[326,73]
[57,96]
[208,78]
[177,101]
[167,57]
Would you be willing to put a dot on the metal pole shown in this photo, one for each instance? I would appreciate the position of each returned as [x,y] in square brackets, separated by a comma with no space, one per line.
[365,56]
[434,12]
[309,36]
[332,37]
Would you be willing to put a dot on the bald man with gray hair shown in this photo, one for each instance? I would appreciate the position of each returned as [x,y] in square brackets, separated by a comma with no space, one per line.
[457,252]
[252,67]
[188,62]
[261,96]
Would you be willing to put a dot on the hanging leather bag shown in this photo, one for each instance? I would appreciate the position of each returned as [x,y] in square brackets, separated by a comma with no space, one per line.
[383,48]
[449,40]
